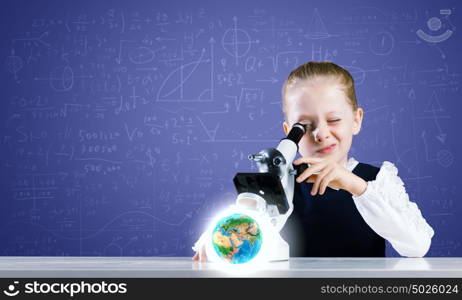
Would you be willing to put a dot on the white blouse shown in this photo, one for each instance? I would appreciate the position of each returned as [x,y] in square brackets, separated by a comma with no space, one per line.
[386,208]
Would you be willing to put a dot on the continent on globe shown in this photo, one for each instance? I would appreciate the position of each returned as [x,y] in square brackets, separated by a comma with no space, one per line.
[237,238]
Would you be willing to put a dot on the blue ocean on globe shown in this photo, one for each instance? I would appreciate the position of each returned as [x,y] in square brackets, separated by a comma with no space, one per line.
[237,238]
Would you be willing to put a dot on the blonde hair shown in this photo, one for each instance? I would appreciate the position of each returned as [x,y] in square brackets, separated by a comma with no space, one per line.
[311,70]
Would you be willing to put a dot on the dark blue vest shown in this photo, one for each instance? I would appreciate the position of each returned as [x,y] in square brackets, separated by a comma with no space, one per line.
[330,225]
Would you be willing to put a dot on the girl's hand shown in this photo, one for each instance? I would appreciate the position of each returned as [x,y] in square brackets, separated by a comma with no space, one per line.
[200,256]
[328,173]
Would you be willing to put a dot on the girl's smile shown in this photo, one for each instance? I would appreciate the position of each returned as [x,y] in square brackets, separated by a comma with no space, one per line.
[327,149]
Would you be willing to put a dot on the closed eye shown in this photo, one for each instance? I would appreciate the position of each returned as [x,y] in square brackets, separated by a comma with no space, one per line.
[332,121]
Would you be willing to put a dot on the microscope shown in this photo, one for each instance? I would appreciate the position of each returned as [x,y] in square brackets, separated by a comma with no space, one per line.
[267,195]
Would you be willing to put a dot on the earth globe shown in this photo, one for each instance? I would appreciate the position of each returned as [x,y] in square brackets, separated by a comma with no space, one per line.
[237,238]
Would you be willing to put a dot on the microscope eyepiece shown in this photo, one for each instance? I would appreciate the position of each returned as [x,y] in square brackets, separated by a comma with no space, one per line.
[297,132]
[255,157]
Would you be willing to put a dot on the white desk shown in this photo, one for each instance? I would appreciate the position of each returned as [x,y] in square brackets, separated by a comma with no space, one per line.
[155,267]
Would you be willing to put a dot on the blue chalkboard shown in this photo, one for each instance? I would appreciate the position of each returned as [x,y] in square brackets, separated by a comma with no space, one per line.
[123,123]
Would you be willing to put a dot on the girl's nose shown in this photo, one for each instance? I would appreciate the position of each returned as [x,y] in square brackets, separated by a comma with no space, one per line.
[315,134]
[321,133]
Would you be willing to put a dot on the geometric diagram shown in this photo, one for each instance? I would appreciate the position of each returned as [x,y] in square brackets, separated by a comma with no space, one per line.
[13,64]
[173,87]
[317,30]
[434,106]
[62,78]
[141,55]
[444,157]
[435,24]
[236,42]
[381,43]
[36,41]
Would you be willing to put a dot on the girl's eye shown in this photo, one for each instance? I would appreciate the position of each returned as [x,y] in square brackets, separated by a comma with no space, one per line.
[308,126]
[311,127]
[335,120]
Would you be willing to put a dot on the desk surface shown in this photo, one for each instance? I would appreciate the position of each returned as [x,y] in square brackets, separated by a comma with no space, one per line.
[115,267]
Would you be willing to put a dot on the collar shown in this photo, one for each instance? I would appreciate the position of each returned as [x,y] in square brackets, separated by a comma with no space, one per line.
[351,164]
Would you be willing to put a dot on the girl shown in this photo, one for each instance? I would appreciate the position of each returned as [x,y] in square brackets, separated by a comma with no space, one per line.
[341,207]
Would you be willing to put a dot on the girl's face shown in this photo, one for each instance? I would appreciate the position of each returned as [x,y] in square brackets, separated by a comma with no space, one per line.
[322,105]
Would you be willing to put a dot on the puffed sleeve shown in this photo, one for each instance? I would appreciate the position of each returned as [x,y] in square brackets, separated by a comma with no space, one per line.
[386,208]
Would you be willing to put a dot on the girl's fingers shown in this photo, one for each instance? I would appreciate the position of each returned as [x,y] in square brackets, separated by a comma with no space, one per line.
[200,255]
[311,179]
[307,160]
[319,177]
[325,182]
[203,257]
[310,171]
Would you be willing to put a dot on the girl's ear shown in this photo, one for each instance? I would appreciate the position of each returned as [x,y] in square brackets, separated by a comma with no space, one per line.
[285,126]
[357,121]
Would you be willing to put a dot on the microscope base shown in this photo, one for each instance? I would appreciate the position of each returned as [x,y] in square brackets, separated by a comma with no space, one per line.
[281,251]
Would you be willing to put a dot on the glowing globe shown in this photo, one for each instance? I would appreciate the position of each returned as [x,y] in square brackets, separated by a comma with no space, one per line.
[237,238]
